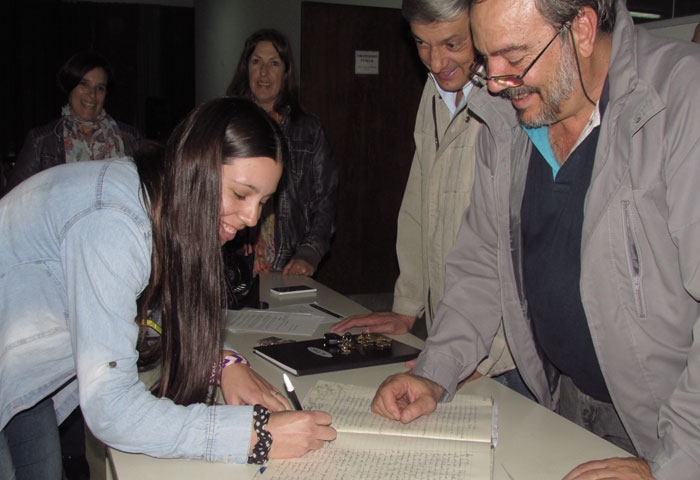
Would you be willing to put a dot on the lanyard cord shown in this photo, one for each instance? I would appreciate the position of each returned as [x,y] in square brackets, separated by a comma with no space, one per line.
[437,141]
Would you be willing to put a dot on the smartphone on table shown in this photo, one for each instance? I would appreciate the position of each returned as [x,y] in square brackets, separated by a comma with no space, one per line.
[292,290]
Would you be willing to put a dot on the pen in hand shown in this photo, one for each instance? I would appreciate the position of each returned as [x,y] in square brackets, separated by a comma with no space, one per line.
[291,392]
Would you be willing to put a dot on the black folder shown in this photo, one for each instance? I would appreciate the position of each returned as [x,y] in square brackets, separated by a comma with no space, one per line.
[315,356]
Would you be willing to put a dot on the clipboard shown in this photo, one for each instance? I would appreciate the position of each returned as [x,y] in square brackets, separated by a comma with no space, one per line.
[318,356]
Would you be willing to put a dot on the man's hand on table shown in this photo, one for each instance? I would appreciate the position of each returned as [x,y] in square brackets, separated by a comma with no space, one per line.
[381,322]
[631,468]
[240,385]
[405,397]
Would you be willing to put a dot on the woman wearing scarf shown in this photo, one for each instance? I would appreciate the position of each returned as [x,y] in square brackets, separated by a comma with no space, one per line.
[85,131]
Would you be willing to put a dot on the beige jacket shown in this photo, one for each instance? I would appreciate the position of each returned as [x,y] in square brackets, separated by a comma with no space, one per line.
[437,194]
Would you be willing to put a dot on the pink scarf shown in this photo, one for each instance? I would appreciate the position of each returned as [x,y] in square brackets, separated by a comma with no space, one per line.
[106,141]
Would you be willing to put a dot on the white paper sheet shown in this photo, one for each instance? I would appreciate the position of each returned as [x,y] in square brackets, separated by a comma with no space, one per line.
[268,321]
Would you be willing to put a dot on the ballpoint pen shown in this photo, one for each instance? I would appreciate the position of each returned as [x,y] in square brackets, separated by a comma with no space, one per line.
[292,393]
[325,310]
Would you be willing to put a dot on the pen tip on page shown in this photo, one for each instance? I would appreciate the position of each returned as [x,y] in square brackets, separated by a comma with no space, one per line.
[287,382]
[292,394]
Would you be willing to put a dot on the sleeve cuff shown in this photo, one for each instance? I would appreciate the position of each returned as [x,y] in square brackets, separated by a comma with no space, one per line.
[674,465]
[308,254]
[229,434]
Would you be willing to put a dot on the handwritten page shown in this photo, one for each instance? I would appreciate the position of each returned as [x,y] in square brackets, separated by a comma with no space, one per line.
[382,460]
[454,442]
[467,418]
[288,323]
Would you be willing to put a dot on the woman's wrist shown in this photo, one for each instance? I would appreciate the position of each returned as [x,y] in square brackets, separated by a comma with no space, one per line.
[261,449]
[232,358]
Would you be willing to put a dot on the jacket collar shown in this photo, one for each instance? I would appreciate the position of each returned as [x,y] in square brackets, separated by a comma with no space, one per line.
[449,98]
[495,112]
[623,72]
[448,127]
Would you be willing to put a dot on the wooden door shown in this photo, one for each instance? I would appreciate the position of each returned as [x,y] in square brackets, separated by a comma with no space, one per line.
[369,120]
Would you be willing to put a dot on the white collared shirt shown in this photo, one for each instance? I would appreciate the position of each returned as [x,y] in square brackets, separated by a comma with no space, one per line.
[450,97]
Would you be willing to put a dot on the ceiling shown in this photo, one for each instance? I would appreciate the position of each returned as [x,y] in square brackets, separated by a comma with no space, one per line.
[664,8]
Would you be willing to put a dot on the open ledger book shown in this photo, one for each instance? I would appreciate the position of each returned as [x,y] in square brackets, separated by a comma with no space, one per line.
[454,442]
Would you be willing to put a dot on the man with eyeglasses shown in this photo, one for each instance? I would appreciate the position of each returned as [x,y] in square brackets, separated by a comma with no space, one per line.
[440,182]
[583,235]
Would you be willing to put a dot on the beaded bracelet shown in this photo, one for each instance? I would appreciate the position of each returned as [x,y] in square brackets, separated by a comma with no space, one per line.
[225,362]
[261,449]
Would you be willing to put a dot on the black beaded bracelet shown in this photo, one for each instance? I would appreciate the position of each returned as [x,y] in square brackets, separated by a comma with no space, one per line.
[261,449]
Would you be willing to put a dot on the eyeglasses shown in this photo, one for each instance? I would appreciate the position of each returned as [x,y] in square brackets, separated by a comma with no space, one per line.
[477,68]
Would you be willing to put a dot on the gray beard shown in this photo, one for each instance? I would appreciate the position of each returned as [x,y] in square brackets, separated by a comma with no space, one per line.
[563,85]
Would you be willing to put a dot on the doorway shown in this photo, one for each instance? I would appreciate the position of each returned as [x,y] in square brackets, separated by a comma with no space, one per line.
[369,120]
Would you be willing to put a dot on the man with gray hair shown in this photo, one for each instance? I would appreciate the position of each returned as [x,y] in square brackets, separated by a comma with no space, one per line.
[583,235]
[440,182]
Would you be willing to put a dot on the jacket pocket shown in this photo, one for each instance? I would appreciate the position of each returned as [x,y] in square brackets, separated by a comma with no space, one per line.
[300,159]
[633,258]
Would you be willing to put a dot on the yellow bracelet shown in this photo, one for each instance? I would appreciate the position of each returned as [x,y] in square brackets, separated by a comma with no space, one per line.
[153,325]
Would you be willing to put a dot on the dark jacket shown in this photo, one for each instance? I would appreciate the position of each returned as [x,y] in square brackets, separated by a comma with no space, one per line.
[43,149]
[306,197]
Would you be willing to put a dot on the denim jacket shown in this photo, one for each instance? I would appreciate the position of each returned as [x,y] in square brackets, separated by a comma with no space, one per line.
[75,253]
[306,199]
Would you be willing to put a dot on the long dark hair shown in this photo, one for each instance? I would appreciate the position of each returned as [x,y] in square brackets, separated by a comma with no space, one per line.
[289,93]
[183,191]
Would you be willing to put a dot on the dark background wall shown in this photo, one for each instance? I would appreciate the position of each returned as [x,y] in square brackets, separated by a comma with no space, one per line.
[150,47]
[369,120]
[152,50]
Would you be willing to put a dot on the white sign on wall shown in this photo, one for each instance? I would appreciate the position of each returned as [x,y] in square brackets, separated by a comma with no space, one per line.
[366,62]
